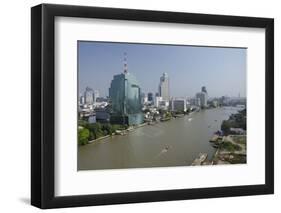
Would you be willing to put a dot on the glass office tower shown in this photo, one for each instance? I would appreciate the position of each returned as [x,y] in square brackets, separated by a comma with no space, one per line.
[125,97]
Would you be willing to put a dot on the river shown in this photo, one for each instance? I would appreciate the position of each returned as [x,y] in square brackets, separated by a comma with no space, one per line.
[146,146]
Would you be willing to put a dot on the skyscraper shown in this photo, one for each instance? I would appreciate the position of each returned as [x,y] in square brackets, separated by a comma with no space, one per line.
[82,99]
[203,89]
[203,96]
[143,98]
[96,94]
[164,87]
[88,96]
[125,97]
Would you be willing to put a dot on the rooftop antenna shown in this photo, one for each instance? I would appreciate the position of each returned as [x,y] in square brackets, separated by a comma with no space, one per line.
[125,63]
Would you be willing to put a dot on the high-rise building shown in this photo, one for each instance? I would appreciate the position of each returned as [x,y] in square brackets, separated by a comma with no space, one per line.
[150,96]
[164,87]
[125,97]
[96,94]
[203,89]
[202,96]
[197,102]
[88,96]
[143,98]
[82,100]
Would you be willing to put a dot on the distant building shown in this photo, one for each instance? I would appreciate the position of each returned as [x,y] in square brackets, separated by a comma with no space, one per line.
[88,96]
[197,102]
[101,99]
[203,89]
[92,119]
[164,87]
[82,100]
[101,104]
[179,105]
[202,96]
[163,104]
[125,97]
[96,95]
[214,103]
[150,97]
[102,115]
[143,98]
[157,101]
[224,100]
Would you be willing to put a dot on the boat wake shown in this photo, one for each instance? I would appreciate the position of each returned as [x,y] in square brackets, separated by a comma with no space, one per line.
[163,151]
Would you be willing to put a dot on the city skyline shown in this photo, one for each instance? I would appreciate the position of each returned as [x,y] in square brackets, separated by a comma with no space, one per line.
[223,70]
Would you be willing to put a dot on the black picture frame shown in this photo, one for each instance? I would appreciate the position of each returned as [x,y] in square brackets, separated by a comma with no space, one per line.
[43,102]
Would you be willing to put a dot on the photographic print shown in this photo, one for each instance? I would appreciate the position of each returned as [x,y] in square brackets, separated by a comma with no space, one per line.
[181,103]
[159,105]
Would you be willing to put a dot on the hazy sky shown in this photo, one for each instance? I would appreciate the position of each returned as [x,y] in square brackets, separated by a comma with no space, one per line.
[221,70]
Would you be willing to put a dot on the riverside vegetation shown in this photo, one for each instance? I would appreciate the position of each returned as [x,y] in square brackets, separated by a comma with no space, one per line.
[88,132]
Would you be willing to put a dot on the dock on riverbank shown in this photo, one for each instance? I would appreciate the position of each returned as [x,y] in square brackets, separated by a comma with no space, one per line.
[200,160]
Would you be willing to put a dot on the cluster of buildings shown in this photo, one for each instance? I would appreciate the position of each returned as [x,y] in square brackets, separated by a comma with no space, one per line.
[126,104]
[93,107]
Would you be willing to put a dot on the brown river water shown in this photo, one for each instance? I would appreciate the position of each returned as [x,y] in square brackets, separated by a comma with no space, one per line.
[172,143]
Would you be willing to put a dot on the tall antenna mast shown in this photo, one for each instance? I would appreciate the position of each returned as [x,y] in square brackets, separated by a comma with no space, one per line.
[125,63]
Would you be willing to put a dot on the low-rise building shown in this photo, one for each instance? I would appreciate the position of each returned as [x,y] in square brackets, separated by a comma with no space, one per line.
[179,105]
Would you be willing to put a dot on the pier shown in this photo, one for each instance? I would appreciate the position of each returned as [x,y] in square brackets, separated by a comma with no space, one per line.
[200,160]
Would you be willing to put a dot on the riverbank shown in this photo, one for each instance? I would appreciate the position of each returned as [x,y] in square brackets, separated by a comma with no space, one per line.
[231,149]
[118,132]
[132,128]
[101,138]
[230,141]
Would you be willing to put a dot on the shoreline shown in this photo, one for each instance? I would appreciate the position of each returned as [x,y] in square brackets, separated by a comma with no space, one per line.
[132,128]
[224,156]
[123,132]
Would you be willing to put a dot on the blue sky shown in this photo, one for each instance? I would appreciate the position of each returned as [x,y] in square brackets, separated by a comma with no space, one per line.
[221,70]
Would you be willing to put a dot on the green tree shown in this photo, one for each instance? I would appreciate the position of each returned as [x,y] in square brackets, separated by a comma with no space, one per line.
[96,130]
[108,129]
[83,136]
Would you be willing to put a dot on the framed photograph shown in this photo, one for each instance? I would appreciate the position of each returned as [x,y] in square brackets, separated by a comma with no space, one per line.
[139,106]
